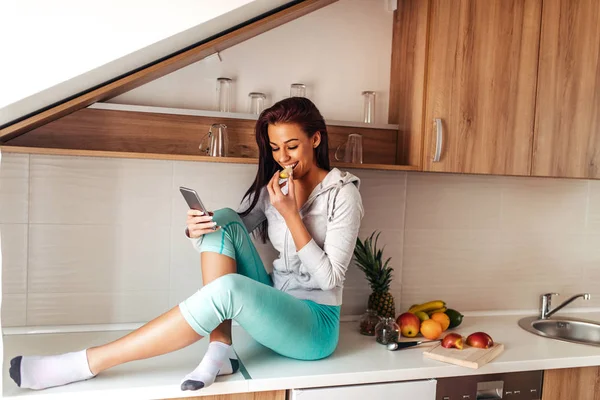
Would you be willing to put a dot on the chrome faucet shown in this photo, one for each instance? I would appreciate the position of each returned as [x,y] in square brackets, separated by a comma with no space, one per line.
[546,300]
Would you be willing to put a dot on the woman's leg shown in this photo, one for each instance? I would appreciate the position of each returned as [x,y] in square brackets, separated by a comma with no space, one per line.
[167,333]
[164,334]
[220,251]
[219,359]
[226,251]
[214,266]
[295,328]
[141,343]
[292,327]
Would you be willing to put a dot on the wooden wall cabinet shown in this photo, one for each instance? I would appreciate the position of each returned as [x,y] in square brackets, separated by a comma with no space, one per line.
[482,62]
[567,117]
[572,383]
[514,84]
[479,62]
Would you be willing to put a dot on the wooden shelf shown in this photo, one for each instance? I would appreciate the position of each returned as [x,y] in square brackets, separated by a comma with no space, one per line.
[131,131]
[180,157]
[218,114]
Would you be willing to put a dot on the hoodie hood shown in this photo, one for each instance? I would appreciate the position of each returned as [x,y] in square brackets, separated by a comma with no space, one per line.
[331,186]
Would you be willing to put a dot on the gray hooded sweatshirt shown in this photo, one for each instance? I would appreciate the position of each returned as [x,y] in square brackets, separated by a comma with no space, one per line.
[332,215]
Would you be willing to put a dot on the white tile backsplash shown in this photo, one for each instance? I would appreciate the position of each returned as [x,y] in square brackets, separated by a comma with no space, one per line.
[542,204]
[102,191]
[382,194]
[218,185]
[14,258]
[95,308]
[549,259]
[452,259]
[104,238]
[14,188]
[593,207]
[451,201]
[98,258]
[185,273]
[14,309]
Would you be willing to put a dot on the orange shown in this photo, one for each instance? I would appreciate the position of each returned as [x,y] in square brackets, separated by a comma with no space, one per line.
[442,318]
[431,329]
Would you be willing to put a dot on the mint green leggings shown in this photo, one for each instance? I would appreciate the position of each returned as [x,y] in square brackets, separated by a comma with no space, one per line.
[300,329]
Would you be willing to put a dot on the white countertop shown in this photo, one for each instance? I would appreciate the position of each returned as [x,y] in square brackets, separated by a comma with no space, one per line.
[358,359]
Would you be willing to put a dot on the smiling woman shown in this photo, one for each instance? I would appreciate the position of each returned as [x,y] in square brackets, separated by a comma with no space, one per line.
[294,311]
[292,133]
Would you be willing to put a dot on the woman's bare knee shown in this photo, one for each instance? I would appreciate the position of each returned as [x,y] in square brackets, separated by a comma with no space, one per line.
[215,265]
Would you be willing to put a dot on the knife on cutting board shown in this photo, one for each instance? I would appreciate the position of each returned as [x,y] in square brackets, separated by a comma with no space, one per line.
[404,345]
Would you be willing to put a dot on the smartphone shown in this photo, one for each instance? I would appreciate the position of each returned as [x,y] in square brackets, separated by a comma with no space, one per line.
[192,199]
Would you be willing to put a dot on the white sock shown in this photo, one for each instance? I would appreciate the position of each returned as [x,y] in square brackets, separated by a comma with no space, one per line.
[220,359]
[41,372]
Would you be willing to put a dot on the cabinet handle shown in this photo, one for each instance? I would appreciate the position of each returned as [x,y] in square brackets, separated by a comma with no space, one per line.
[440,139]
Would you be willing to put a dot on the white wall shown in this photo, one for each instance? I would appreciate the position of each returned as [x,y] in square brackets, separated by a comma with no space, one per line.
[61,47]
[338,51]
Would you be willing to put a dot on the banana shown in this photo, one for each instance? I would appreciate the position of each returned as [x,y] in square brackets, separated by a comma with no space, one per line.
[422,315]
[429,306]
[443,309]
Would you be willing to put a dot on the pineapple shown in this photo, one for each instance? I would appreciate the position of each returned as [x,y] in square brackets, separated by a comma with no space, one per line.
[369,260]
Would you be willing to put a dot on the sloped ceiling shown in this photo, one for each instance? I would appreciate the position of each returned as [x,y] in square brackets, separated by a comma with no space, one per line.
[64,47]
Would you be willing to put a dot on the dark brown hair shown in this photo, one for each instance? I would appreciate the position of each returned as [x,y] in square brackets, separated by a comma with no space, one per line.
[293,110]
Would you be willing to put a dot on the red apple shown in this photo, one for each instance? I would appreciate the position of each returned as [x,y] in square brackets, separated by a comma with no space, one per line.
[452,341]
[480,340]
[409,324]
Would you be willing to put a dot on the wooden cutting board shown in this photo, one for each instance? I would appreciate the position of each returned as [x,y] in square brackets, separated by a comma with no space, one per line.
[470,357]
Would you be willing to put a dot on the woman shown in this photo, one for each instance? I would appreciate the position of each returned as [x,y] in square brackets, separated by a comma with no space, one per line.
[295,311]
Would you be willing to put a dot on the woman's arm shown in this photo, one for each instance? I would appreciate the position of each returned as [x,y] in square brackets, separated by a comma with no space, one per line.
[251,221]
[287,206]
[327,265]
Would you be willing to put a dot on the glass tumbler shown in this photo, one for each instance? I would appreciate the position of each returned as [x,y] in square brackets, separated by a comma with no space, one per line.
[224,94]
[256,102]
[387,331]
[352,150]
[369,107]
[368,322]
[298,90]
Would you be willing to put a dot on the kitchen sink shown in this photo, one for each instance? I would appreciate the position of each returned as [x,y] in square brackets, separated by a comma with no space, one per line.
[566,329]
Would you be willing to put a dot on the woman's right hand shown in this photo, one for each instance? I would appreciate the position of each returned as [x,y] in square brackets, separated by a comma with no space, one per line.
[199,224]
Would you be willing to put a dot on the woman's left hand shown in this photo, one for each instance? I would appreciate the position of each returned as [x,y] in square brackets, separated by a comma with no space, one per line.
[285,204]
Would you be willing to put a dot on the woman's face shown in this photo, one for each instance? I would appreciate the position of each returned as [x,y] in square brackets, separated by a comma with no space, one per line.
[291,146]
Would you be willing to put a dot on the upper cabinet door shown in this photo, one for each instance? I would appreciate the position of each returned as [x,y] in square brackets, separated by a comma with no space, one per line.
[567,120]
[481,82]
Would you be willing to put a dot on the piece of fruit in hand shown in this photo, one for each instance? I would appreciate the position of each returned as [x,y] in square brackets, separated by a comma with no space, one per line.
[480,340]
[452,341]
[286,172]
